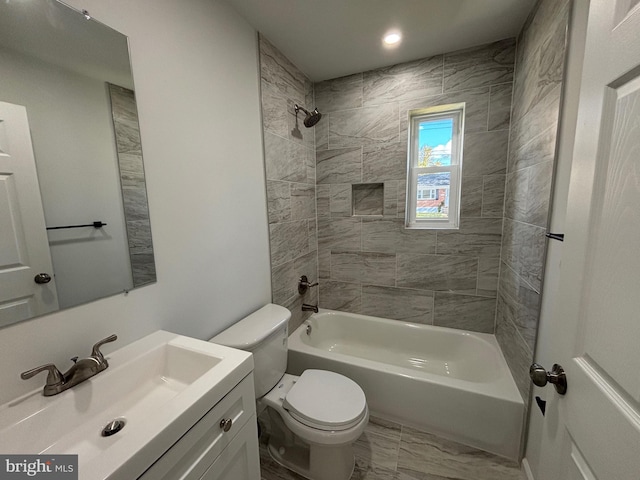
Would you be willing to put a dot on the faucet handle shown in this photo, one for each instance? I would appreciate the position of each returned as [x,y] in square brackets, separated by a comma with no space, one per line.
[54,377]
[95,351]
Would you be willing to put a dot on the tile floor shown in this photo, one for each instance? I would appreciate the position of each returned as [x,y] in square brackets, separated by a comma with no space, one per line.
[390,451]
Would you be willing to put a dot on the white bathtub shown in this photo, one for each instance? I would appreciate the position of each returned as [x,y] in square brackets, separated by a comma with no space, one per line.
[452,383]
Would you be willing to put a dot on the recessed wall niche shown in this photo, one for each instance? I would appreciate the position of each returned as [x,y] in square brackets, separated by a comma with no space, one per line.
[368,198]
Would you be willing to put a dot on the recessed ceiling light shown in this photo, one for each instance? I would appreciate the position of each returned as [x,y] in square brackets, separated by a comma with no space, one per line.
[392,38]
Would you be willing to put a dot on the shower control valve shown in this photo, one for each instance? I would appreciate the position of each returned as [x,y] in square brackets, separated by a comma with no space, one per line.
[304,284]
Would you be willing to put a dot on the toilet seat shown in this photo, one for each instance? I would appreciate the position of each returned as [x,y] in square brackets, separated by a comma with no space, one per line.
[326,401]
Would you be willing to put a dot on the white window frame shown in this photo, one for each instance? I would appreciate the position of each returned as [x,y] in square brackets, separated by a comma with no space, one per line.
[456,113]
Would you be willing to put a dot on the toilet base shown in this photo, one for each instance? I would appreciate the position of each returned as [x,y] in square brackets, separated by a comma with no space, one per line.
[311,460]
[315,462]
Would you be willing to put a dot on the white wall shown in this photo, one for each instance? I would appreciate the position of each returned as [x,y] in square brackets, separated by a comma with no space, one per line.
[575,53]
[195,69]
[72,133]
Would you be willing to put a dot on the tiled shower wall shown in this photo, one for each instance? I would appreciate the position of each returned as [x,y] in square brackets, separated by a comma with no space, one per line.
[291,177]
[370,263]
[536,104]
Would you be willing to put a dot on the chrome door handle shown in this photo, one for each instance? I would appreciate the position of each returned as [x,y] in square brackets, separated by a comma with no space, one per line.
[540,377]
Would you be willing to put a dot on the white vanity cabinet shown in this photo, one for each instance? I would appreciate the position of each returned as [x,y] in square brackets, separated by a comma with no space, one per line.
[223,445]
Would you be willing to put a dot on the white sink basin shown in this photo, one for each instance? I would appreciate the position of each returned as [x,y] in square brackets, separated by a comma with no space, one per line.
[160,386]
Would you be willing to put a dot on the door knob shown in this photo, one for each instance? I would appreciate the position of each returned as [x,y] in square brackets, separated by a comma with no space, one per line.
[42,278]
[540,377]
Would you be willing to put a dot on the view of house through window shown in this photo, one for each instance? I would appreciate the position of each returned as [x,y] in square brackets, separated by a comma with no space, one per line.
[435,161]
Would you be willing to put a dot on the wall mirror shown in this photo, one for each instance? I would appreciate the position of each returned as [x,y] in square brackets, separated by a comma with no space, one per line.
[74,220]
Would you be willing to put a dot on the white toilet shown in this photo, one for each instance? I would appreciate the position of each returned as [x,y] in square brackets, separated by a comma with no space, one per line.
[316,417]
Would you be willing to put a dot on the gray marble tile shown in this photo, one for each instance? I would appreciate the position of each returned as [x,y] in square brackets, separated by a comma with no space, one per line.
[376,450]
[365,469]
[363,267]
[480,66]
[278,201]
[283,282]
[402,199]
[339,93]
[524,250]
[125,120]
[274,111]
[447,273]
[378,268]
[322,132]
[340,296]
[404,81]
[532,254]
[500,106]
[131,170]
[284,160]
[391,198]
[303,201]
[139,236]
[313,234]
[541,53]
[346,266]
[485,153]
[381,163]
[476,236]
[135,204]
[143,269]
[493,188]
[276,70]
[388,235]
[516,195]
[538,150]
[364,126]
[425,457]
[288,241]
[488,273]
[340,233]
[539,194]
[342,165]
[368,199]
[381,426]
[471,196]
[475,114]
[324,263]
[521,304]
[541,116]
[465,312]
[341,200]
[398,303]
[323,200]
[514,349]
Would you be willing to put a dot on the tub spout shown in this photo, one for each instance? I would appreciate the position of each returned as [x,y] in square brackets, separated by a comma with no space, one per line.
[309,308]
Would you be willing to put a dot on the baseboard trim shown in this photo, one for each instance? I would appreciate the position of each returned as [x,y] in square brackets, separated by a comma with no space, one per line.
[526,469]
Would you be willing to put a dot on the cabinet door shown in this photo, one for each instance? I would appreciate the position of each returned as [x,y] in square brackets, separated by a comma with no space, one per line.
[240,460]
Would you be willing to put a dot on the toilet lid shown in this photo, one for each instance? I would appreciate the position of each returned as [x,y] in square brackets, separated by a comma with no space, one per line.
[326,400]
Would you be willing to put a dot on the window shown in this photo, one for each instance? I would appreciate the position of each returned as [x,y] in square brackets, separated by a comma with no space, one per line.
[435,165]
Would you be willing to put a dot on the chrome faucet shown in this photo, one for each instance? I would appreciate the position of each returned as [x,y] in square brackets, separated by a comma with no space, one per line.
[309,308]
[81,370]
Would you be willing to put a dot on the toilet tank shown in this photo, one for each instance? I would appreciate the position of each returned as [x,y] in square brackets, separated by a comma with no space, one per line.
[263,333]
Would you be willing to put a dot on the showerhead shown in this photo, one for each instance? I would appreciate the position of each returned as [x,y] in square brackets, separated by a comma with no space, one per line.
[311,118]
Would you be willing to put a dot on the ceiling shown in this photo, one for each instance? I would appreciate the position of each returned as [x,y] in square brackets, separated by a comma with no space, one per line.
[331,38]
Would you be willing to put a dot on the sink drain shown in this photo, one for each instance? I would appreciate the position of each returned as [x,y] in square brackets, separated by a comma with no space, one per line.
[113,427]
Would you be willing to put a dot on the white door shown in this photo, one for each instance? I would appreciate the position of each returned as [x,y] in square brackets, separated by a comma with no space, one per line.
[593,432]
[24,247]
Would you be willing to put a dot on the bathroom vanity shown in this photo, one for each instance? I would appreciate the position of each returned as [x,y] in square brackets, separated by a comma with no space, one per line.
[185,409]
